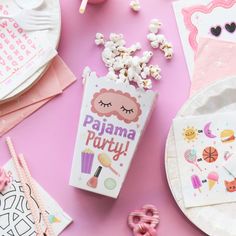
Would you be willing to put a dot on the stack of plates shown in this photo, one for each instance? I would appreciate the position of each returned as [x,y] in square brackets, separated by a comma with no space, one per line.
[48,37]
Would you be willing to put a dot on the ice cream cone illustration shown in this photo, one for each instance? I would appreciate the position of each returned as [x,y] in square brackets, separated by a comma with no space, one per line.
[212,179]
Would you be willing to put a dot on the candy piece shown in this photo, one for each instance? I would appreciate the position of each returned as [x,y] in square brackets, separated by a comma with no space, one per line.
[134,218]
[151,215]
[196,182]
[4,179]
[144,230]
[213,178]
[135,5]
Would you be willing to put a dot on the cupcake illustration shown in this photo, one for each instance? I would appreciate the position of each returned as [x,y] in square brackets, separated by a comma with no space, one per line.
[87,157]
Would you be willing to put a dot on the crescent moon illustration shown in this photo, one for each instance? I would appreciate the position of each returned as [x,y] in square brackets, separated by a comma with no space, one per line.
[208,132]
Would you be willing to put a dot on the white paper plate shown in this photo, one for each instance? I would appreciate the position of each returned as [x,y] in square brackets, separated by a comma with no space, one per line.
[217,220]
[29,4]
[50,37]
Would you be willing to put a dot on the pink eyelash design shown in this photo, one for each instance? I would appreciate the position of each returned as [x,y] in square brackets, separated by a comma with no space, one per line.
[108,102]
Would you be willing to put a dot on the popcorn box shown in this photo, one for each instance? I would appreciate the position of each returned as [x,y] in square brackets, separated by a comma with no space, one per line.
[112,120]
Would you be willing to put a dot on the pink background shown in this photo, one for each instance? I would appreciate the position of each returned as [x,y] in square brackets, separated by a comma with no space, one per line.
[47,137]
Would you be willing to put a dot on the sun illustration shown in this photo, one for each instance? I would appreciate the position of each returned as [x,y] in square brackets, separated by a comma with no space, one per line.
[190,134]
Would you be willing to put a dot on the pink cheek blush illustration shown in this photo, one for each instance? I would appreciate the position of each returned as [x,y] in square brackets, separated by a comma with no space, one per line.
[111,102]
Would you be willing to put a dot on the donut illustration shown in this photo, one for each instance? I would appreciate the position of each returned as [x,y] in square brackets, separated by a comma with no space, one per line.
[210,154]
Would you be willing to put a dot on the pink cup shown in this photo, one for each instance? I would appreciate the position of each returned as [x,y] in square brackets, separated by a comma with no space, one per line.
[84,4]
[96,1]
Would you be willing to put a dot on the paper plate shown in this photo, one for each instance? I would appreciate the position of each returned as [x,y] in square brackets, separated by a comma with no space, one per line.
[49,37]
[216,220]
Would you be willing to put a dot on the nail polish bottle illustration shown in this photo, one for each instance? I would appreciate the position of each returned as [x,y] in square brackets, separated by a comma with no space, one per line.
[93,182]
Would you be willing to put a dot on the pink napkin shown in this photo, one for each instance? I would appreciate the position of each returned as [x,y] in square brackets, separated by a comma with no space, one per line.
[57,78]
[215,60]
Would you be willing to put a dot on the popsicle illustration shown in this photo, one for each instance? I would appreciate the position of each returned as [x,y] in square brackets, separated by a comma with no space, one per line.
[213,178]
[105,161]
[191,156]
[196,182]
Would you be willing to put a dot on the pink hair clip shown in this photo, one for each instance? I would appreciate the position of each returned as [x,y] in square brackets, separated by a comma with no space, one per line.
[143,222]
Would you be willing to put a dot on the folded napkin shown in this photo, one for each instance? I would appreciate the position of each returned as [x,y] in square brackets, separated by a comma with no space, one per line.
[57,78]
[214,60]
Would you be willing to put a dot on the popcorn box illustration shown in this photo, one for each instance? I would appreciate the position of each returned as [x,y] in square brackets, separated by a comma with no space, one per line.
[112,120]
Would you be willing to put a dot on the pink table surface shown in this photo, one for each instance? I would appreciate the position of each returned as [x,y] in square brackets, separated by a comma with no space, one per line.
[47,137]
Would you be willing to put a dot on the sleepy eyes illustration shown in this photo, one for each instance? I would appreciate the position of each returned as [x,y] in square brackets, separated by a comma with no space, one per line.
[105,104]
[216,31]
[111,102]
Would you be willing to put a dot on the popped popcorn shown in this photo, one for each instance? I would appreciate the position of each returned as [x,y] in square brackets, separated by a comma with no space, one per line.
[154,26]
[155,72]
[155,44]
[159,40]
[167,48]
[99,39]
[152,37]
[123,66]
[135,5]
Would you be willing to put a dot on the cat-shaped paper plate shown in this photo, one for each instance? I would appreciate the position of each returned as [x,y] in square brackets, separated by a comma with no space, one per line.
[215,220]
